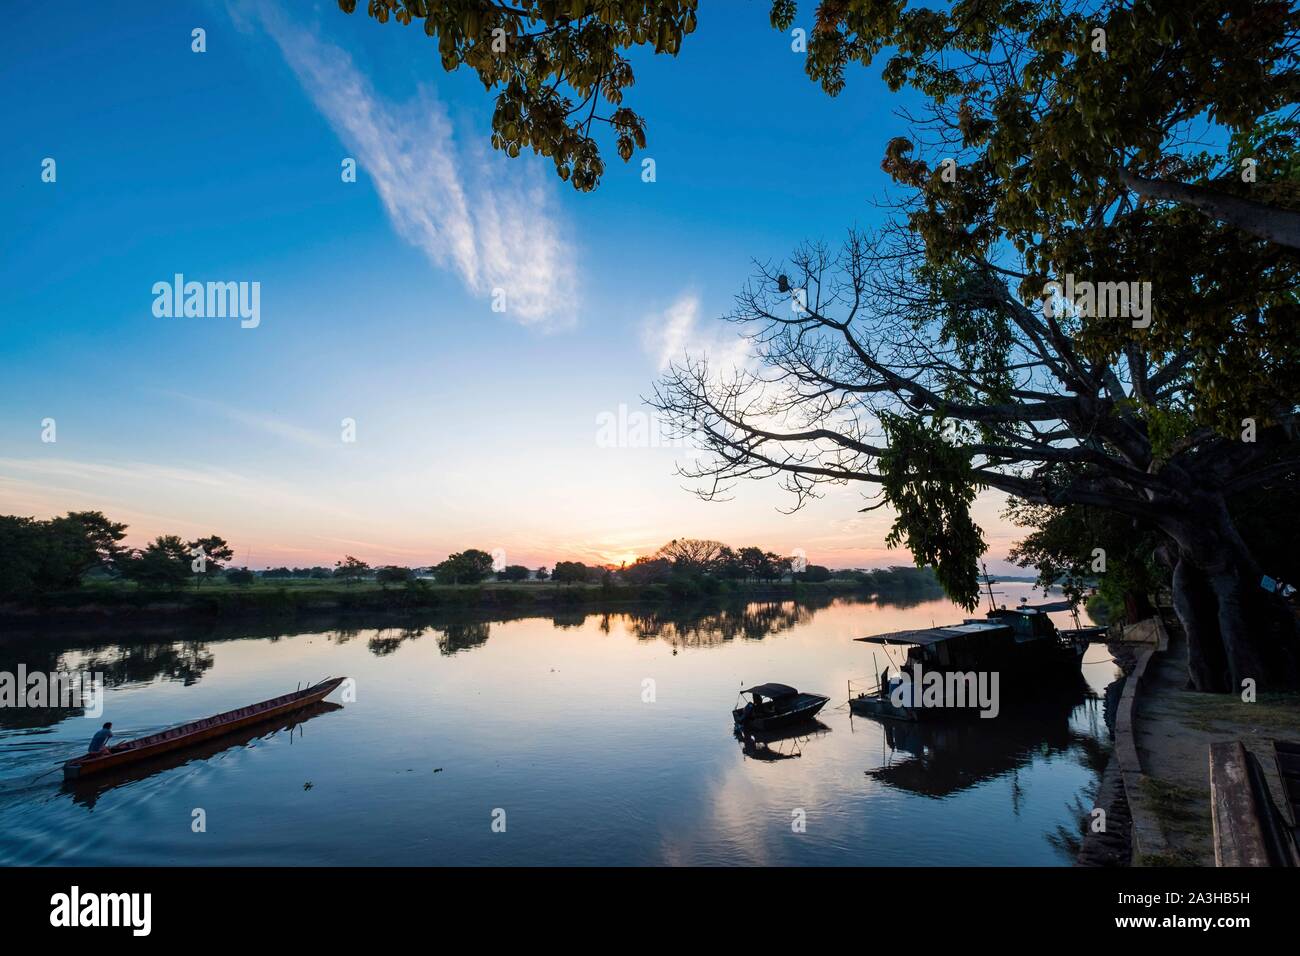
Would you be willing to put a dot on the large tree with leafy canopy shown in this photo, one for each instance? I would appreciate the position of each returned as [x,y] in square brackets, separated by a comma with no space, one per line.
[924,359]
[1149,142]
[871,366]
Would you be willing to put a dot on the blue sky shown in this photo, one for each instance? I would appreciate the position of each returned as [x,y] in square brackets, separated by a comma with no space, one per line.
[473,428]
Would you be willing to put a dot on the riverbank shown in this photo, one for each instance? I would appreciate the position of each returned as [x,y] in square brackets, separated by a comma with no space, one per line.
[121,605]
[1172,730]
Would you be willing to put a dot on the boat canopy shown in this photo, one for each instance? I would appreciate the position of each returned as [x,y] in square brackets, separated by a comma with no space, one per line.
[934,635]
[771,691]
[1046,608]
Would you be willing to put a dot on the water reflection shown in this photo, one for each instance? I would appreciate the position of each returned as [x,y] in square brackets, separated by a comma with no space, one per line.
[117,665]
[941,757]
[772,745]
[546,716]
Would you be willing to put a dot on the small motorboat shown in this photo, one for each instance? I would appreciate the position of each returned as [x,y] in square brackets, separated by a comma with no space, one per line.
[772,706]
[187,735]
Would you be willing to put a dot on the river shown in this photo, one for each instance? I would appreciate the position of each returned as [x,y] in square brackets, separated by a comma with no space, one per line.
[589,738]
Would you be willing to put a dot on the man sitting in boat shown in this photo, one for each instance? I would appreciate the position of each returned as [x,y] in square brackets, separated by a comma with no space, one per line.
[100,740]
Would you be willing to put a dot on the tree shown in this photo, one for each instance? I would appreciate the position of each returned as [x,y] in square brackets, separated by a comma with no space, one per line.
[775,567]
[1078,548]
[1064,131]
[814,573]
[467,567]
[164,563]
[241,577]
[514,572]
[1126,93]
[948,335]
[552,64]
[541,574]
[209,553]
[729,566]
[1120,86]
[692,555]
[18,548]
[350,569]
[570,572]
[647,570]
[392,574]
[1053,142]
[41,556]
[971,388]
[91,541]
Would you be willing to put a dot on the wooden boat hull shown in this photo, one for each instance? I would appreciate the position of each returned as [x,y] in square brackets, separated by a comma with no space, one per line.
[871,705]
[198,731]
[805,707]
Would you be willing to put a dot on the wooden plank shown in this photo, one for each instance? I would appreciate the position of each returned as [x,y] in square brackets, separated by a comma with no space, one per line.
[1238,834]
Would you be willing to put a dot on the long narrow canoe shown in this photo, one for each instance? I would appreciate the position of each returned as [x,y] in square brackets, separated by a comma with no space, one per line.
[198,731]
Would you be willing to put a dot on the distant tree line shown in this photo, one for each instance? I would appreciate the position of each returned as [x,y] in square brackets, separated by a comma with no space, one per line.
[58,554]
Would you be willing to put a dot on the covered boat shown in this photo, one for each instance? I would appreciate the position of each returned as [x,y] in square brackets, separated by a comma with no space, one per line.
[772,706]
[198,731]
[1022,647]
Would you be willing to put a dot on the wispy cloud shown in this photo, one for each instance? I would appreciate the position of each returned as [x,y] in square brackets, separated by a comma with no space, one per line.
[260,421]
[494,225]
[676,332]
[116,481]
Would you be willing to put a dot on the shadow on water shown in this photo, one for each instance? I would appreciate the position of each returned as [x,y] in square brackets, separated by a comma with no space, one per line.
[88,790]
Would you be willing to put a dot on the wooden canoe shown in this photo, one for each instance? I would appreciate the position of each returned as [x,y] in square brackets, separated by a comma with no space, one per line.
[198,731]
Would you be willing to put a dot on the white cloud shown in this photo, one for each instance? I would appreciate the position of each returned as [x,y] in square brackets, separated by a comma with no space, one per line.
[676,332]
[491,223]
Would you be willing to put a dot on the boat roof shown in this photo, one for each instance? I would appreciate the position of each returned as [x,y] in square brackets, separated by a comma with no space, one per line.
[934,635]
[1046,608]
[771,690]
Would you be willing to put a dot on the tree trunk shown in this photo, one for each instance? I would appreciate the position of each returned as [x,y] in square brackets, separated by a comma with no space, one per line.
[1207,669]
[1231,623]
[1137,607]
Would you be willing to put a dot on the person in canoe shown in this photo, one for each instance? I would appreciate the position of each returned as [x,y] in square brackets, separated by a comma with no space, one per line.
[99,742]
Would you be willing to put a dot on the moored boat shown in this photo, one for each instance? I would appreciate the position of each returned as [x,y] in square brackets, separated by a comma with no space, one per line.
[1021,647]
[187,735]
[776,705]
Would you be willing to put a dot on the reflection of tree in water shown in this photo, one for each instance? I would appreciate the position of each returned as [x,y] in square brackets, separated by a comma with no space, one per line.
[903,600]
[695,627]
[118,665]
[463,636]
[183,661]
[1093,754]
[389,639]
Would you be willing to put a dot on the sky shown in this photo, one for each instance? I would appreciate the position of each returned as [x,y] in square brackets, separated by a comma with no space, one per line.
[468,427]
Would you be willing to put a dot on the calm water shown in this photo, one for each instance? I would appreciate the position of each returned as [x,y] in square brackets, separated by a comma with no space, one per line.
[544,718]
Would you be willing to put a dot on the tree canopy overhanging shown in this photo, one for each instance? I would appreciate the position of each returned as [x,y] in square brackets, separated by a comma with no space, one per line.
[1144,153]
[558,67]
